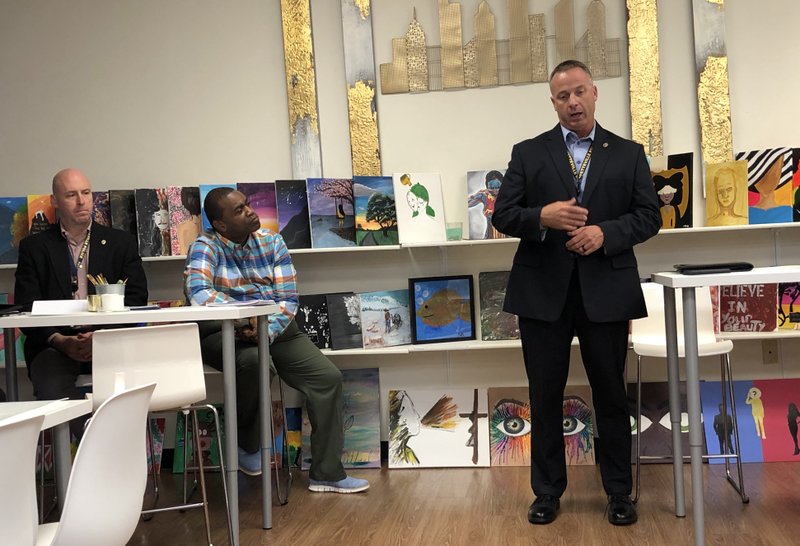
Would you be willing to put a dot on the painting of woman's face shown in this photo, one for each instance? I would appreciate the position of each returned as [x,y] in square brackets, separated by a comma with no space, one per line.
[161,219]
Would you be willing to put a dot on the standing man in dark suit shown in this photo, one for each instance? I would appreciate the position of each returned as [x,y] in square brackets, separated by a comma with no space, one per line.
[53,265]
[579,198]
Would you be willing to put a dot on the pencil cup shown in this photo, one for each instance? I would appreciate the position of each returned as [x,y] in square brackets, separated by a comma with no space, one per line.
[112,296]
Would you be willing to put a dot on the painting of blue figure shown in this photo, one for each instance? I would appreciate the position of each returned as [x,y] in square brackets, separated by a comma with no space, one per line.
[13,227]
[292,203]
[331,212]
[714,422]
[204,190]
[482,190]
[442,309]
[376,215]
[384,318]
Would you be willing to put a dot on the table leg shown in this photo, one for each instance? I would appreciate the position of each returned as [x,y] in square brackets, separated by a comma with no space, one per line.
[231,430]
[11,364]
[63,460]
[265,409]
[693,400]
[673,373]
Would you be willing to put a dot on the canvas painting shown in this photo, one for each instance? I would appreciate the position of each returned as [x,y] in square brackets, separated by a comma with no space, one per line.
[796,184]
[152,222]
[726,194]
[716,424]
[496,324]
[331,212]
[769,185]
[442,309]
[292,206]
[19,338]
[482,190]
[384,318]
[376,216]
[789,305]
[579,426]
[101,213]
[714,291]
[204,191]
[420,207]
[294,418]
[185,222]
[655,434]
[41,214]
[672,178]
[157,428]
[509,426]
[312,318]
[344,318]
[261,196]
[362,423]
[438,428]
[123,210]
[748,307]
[13,227]
[208,439]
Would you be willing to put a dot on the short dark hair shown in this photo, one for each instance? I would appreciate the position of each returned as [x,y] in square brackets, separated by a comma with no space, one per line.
[569,64]
[212,204]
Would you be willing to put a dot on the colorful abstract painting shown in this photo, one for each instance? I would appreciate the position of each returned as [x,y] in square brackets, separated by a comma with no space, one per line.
[123,210]
[748,307]
[672,178]
[205,189]
[420,207]
[579,426]
[13,227]
[376,216]
[157,429]
[726,194]
[208,439]
[361,417]
[496,324]
[385,318]
[261,196]
[789,305]
[796,184]
[19,338]
[442,309]
[331,212]
[344,318]
[291,201]
[185,222]
[769,185]
[294,424]
[509,426]
[41,213]
[101,213]
[152,222]
[438,428]
[482,190]
[312,318]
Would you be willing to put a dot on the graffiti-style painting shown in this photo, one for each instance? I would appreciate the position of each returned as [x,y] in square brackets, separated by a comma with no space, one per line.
[331,212]
[442,309]
[185,222]
[789,306]
[361,417]
[376,216]
[482,190]
[672,178]
[292,203]
[748,307]
[726,194]
[420,207]
[261,196]
[438,428]
[769,185]
[496,324]
[385,318]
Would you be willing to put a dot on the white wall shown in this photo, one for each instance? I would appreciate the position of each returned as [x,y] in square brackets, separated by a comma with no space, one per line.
[151,92]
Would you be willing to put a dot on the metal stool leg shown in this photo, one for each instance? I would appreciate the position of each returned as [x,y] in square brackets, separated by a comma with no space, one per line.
[739,487]
[282,499]
[638,461]
[222,471]
[198,457]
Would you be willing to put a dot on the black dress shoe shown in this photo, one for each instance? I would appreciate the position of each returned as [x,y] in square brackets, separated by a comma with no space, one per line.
[543,510]
[621,510]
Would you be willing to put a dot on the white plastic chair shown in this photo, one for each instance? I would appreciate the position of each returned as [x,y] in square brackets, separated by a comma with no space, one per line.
[109,476]
[168,355]
[18,513]
[649,339]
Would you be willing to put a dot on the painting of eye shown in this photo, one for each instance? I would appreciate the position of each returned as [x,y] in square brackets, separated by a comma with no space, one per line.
[572,425]
[645,424]
[667,424]
[578,431]
[509,431]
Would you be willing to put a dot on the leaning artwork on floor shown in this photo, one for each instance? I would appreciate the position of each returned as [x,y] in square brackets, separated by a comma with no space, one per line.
[331,213]
[482,190]
[438,428]
[362,421]
[769,185]
[496,324]
[509,426]
[384,318]
[578,425]
[376,216]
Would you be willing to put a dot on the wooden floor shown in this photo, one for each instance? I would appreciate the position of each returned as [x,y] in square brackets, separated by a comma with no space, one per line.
[489,506]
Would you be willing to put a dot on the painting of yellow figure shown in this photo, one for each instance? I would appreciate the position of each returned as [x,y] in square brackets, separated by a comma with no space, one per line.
[726,194]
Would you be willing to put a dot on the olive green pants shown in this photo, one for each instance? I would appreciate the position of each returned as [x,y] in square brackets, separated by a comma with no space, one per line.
[302,366]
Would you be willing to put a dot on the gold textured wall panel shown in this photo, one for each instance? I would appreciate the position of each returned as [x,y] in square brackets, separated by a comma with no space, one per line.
[519,41]
[471,77]
[364,143]
[363,7]
[452,55]
[596,19]
[565,30]
[298,54]
[417,57]
[394,75]
[715,111]
[538,48]
[645,81]
[486,44]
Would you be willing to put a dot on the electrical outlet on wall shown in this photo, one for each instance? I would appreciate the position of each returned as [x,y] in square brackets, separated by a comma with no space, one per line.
[769,350]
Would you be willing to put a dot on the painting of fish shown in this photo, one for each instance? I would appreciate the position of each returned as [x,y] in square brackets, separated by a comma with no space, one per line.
[442,308]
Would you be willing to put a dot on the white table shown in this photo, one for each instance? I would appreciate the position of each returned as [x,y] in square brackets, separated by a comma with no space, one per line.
[227,314]
[57,415]
[672,281]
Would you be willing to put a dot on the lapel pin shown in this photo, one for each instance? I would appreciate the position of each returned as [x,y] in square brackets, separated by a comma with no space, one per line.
[102,242]
[605,144]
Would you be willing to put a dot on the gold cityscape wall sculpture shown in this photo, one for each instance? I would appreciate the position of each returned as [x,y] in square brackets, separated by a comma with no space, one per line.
[485,61]
[645,80]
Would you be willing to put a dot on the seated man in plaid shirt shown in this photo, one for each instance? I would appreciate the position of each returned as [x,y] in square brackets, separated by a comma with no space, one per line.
[240,261]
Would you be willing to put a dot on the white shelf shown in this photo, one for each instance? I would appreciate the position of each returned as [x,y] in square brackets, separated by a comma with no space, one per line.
[714,229]
[754,336]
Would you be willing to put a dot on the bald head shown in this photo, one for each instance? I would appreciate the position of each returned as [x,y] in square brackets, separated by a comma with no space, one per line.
[65,176]
[72,198]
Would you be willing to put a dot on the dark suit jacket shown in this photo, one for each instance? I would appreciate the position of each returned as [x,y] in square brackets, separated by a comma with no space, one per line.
[621,199]
[43,273]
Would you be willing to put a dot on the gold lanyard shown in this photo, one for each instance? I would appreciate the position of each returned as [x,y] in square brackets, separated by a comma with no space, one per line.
[579,175]
[79,264]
